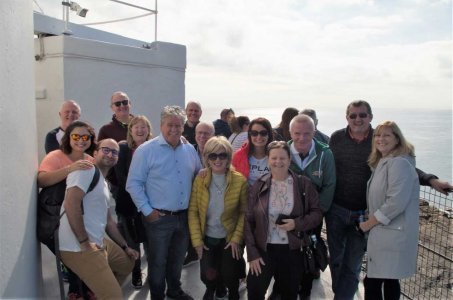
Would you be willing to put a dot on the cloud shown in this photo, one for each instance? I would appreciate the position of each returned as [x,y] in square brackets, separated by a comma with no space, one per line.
[324,49]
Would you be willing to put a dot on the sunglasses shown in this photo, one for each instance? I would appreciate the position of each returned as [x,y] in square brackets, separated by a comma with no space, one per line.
[360,115]
[107,150]
[76,137]
[256,133]
[214,156]
[118,103]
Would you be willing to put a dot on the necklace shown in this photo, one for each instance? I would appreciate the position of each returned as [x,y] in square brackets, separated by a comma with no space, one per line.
[220,189]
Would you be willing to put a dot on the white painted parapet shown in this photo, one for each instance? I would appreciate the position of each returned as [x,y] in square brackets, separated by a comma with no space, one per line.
[89,71]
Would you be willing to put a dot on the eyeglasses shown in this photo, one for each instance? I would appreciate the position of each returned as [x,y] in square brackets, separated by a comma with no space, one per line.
[76,137]
[107,150]
[214,156]
[360,115]
[118,103]
[255,133]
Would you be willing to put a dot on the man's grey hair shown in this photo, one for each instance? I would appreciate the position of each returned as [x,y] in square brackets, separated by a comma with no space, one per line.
[121,94]
[358,103]
[194,102]
[206,124]
[173,111]
[300,118]
[74,103]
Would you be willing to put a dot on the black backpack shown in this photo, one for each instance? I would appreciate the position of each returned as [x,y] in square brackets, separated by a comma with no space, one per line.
[50,199]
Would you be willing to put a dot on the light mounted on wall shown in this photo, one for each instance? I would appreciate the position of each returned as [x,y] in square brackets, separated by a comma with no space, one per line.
[74,6]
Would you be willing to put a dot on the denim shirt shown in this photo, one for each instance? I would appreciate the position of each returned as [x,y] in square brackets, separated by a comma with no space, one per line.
[160,176]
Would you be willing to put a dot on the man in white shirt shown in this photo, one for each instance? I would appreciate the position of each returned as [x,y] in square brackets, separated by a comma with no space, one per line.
[103,264]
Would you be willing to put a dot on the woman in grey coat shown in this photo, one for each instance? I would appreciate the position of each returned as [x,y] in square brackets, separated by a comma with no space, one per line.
[393,197]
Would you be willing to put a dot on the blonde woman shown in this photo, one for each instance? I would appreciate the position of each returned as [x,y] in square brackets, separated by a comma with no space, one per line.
[129,219]
[216,220]
[392,196]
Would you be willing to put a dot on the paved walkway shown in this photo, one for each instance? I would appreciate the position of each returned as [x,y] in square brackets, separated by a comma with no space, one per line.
[190,279]
[191,282]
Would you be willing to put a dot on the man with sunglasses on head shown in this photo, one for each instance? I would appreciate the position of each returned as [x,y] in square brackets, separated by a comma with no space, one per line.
[69,112]
[117,128]
[103,264]
[160,183]
[351,147]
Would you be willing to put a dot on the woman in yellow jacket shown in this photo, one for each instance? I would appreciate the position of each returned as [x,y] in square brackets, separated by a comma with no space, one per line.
[216,219]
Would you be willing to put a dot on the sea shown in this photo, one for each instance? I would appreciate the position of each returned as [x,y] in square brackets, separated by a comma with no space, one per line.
[430,131]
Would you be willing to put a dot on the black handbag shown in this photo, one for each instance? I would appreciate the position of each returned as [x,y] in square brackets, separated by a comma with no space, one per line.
[314,250]
[314,253]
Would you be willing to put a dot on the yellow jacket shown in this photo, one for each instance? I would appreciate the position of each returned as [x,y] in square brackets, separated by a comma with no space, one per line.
[235,204]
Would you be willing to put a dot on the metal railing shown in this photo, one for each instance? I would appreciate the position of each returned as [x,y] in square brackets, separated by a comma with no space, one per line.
[434,277]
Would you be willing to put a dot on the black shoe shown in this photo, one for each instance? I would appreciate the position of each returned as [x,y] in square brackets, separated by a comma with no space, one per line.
[316,274]
[180,295]
[137,282]
[209,294]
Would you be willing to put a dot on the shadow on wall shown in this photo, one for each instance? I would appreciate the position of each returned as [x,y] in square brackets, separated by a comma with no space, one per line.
[31,288]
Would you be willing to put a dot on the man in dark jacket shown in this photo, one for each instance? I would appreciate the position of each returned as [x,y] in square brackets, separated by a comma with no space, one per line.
[193,112]
[222,125]
[117,128]
[351,147]
[69,112]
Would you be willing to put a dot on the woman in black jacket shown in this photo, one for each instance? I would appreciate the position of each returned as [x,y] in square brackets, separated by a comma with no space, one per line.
[129,219]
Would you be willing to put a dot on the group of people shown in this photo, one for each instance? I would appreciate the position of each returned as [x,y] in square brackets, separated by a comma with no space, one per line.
[207,190]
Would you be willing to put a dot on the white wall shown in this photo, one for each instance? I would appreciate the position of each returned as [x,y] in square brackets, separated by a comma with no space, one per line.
[20,270]
[90,71]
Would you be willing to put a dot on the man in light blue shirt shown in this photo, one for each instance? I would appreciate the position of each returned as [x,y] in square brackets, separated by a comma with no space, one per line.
[160,182]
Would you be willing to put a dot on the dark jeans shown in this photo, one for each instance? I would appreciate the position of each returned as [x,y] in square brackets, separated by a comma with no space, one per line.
[131,241]
[284,265]
[373,289]
[168,237]
[346,248]
[306,282]
[219,268]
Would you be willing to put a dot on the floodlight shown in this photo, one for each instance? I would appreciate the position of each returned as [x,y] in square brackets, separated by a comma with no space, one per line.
[74,6]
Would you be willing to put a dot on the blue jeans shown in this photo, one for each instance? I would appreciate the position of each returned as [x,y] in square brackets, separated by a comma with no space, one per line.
[168,237]
[346,247]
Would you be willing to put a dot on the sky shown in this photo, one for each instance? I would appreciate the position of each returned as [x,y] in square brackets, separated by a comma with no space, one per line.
[314,53]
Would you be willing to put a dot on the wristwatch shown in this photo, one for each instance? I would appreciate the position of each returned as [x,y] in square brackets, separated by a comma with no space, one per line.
[124,247]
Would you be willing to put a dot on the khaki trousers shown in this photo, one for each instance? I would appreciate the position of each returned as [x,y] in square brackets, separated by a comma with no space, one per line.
[102,270]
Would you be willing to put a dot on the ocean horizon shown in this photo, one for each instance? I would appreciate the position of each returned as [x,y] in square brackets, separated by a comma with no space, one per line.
[430,131]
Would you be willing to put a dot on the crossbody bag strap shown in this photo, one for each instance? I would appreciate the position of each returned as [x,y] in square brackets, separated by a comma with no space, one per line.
[303,235]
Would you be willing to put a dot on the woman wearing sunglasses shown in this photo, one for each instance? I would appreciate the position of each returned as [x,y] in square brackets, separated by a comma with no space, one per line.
[276,214]
[251,159]
[216,220]
[75,151]
[129,219]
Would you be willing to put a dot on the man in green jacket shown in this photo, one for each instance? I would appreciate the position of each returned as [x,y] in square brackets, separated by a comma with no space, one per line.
[313,159]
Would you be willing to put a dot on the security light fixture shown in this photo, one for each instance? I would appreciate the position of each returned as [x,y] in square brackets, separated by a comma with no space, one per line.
[74,6]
